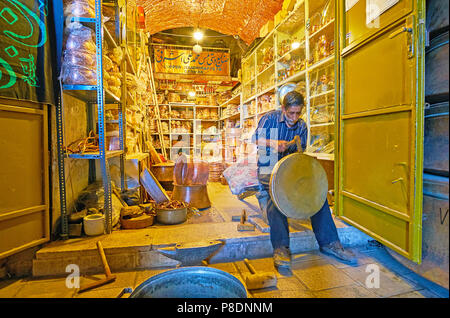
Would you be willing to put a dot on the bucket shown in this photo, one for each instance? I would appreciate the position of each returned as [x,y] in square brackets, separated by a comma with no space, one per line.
[436,69]
[435,233]
[94,224]
[191,282]
[435,144]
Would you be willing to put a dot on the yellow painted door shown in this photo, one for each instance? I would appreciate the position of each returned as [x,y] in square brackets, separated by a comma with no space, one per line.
[24,174]
[380,111]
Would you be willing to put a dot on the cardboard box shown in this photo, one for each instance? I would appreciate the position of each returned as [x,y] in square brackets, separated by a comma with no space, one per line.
[266,29]
[279,17]
[288,5]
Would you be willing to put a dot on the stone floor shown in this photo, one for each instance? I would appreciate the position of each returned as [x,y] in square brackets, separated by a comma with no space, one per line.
[313,275]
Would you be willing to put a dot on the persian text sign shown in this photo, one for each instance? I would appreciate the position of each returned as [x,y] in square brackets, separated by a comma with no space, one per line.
[25,53]
[183,61]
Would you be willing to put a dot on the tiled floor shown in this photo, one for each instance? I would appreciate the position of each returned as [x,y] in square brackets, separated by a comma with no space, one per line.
[313,275]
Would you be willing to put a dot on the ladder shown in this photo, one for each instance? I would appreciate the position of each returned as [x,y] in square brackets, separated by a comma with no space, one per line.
[155,102]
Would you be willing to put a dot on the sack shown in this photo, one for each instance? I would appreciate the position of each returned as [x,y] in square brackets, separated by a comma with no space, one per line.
[242,177]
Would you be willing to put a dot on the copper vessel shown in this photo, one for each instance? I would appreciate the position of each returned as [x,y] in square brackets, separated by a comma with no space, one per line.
[196,195]
[163,171]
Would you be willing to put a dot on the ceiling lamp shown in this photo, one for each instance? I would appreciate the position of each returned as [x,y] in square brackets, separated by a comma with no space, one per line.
[295,45]
[197,49]
[191,94]
[198,35]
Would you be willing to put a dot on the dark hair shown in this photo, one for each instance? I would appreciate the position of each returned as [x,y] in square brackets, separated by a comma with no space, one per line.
[180,151]
[293,98]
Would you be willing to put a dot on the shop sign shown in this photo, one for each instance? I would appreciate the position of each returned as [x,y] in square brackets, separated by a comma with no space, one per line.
[25,56]
[185,61]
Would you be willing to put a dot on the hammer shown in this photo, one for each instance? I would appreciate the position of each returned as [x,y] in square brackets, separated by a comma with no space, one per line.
[109,277]
[258,281]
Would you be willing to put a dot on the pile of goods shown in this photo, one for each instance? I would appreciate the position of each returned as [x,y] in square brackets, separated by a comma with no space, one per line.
[231,109]
[171,205]
[266,102]
[79,59]
[79,8]
[137,216]
[215,171]
[267,58]
[206,113]
[84,145]
[181,127]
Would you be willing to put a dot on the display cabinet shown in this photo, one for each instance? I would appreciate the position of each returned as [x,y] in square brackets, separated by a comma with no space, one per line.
[297,54]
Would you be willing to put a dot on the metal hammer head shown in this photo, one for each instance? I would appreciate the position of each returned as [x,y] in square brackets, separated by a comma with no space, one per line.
[262,280]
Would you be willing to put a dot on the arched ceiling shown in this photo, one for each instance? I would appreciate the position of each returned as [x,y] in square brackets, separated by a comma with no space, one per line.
[235,17]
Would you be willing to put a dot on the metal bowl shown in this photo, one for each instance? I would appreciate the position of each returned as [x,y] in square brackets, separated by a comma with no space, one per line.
[283,90]
[191,282]
[171,216]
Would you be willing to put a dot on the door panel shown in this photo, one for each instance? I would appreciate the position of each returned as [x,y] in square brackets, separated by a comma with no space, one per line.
[371,176]
[385,79]
[381,113]
[24,184]
[356,28]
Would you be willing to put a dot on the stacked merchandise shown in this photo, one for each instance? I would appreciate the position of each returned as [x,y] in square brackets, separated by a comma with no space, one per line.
[266,102]
[79,56]
[207,113]
[215,171]
[231,109]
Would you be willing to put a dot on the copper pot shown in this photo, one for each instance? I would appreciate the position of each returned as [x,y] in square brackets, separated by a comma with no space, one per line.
[163,171]
[196,195]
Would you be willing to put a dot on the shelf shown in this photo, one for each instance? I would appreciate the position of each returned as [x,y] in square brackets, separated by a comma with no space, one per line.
[230,116]
[267,68]
[321,62]
[293,78]
[231,99]
[302,43]
[321,29]
[115,121]
[323,156]
[109,38]
[94,155]
[88,93]
[81,20]
[137,156]
[322,125]
[322,94]
[206,106]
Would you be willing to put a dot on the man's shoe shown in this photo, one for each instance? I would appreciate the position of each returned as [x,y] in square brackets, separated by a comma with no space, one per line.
[282,257]
[336,250]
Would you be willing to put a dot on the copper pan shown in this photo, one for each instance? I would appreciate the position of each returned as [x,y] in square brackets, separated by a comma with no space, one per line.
[163,171]
[196,195]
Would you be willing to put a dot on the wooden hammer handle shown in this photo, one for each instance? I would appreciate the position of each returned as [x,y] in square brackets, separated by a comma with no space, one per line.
[296,141]
[103,257]
[249,266]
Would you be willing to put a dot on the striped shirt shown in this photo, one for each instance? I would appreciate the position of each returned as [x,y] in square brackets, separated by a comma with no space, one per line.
[273,126]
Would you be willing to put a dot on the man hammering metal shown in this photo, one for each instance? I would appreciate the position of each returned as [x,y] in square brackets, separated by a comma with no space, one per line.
[274,135]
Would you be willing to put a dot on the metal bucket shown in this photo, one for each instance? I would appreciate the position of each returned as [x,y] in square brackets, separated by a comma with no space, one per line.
[437,16]
[191,282]
[171,216]
[436,69]
[435,159]
[435,234]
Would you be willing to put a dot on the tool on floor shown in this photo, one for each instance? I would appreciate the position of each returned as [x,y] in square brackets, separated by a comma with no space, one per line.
[244,225]
[261,280]
[126,290]
[109,277]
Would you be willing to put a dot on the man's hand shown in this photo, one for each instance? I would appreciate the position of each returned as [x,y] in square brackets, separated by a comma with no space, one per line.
[278,145]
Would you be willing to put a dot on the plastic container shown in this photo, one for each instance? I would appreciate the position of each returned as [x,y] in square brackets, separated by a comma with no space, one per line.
[94,224]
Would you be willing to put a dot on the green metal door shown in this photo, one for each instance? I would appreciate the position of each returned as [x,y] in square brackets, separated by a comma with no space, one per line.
[381,114]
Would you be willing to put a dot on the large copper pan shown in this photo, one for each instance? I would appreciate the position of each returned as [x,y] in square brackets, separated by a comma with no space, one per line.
[298,186]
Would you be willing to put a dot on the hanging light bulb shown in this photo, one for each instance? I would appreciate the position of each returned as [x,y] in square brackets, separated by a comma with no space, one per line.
[295,45]
[198,35]
[197,49]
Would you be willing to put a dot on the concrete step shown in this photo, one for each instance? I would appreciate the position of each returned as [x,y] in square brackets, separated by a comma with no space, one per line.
[127,250]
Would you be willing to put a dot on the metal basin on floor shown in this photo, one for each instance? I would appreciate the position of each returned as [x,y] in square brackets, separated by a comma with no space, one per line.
[191,282]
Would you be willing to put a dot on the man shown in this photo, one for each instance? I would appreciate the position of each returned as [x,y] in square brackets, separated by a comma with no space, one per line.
[275,130]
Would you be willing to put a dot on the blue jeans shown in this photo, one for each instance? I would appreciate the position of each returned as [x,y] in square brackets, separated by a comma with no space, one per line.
[322,223]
